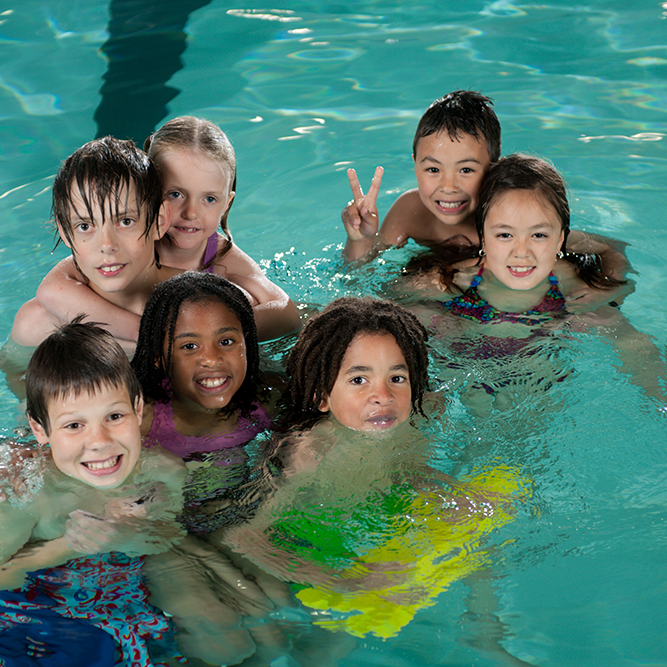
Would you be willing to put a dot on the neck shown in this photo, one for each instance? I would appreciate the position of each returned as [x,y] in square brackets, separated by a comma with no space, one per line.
[510,300]
[182,258]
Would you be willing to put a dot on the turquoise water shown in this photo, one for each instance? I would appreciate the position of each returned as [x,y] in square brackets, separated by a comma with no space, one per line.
[309,89]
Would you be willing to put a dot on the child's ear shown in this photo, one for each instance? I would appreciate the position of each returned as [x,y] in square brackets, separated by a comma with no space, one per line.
[230,201]
[63,236]
[38,431]
[139,408]
[163,220]
[324,404]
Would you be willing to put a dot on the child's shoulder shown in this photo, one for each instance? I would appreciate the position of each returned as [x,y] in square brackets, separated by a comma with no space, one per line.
[405,219]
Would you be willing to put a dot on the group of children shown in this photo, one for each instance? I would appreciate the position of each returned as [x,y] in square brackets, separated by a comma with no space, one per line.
[154,264]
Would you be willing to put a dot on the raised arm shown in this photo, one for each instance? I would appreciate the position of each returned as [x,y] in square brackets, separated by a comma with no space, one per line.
[275,313]
[361,219]
[64,294]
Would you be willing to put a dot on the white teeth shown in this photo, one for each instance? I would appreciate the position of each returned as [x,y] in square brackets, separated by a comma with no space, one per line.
[521,269]
[111,269]
[211,383]
[449,204]
[102,465]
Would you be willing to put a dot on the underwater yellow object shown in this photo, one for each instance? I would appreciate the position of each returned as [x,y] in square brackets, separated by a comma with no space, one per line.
[425,554]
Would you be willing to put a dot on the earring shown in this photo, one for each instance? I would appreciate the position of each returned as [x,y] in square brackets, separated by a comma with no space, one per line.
[560,254]
[482,253]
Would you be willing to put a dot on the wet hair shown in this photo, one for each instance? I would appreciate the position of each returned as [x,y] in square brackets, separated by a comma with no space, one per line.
[101,172]
[152,362]
[462,111]
[315,360]
[197,134]
[515,172]
[77,357]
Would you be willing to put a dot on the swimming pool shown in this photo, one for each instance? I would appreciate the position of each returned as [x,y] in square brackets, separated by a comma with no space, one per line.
[306,90]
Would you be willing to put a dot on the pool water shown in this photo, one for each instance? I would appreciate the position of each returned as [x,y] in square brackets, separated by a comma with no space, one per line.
[311,88]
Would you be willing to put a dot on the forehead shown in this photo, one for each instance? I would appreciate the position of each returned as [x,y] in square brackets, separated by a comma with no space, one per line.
[102,202]
[442,145]
[372,348]
[205,315]
[522,207]
[87,400]
[185,163]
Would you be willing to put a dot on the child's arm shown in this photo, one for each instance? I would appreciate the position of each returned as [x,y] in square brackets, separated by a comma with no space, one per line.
[64,293]
[275,313]
[611,251]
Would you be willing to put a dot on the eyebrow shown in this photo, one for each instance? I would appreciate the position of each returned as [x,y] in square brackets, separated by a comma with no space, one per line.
[188,334]
[432,159]
[366,369]
[507,225]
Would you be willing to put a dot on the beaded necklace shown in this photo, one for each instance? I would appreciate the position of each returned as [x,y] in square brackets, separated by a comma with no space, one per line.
[472,306]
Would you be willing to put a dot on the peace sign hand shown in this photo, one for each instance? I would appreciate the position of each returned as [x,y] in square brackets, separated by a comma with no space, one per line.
[360,216]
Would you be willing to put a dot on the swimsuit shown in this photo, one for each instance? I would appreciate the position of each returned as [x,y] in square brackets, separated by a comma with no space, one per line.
[189,447]
[210,252]
[405,532]
[472,306]
[216,463]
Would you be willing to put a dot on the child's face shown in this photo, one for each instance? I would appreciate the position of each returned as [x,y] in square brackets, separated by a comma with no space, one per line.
[198,192]
[449,174]
[94,438]
[208,355]
[115,255]
[522,235]
[372,390]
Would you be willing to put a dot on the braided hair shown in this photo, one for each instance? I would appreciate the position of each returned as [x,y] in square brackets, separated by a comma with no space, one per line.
[315,360]
[153,356]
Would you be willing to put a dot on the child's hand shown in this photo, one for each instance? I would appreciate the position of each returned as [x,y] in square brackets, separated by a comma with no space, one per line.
[90,534]
[360,216]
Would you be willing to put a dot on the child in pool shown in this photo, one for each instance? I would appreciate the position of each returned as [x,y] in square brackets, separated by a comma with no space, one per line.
[101,494]
[523,273]
[108,209]
[198,169]
[350,514]
[197,359]
[456,141]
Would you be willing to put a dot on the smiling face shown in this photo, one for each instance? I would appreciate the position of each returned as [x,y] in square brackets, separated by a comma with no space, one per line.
[449,174]
[113,251]
[208,363]
[94,438]
[522,236]
[372,390]
[197,189]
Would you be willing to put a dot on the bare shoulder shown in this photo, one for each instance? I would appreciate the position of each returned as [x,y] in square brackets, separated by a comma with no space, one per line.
[406,216]
[237,262]
[32,324]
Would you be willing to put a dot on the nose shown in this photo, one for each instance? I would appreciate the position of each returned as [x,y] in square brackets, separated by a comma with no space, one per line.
[100,437]
[108,242]
[383,394]
[448,182]
[210,356]
[189,210]
[521,247]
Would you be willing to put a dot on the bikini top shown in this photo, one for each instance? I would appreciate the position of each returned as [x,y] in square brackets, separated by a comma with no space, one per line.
[472,306]
[165,434]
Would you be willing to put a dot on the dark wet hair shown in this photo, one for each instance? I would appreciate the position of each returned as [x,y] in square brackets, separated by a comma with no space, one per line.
[152,363]
[515,172]
[314,362]
[78,357]
[462,111]
[198,134]
[102,171]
